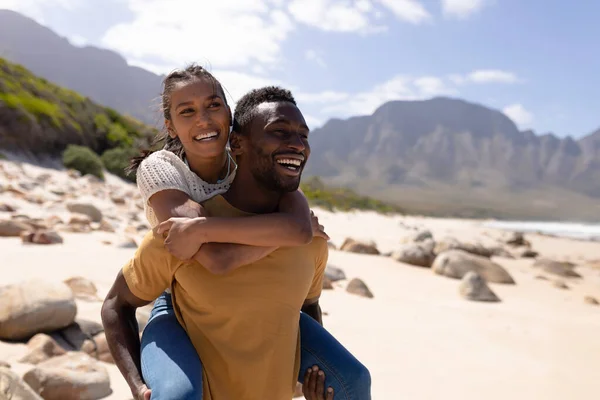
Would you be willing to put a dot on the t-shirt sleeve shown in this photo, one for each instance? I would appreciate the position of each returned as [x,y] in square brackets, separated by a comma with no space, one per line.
[151,269]
[160,171]
[320,264]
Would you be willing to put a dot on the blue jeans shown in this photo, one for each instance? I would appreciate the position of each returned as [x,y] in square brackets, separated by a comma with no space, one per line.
[172,369]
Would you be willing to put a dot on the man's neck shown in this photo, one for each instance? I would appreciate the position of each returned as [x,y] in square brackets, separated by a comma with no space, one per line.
[248,195]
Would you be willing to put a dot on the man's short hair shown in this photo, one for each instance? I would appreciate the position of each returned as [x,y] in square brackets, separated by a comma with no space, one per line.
[246,106]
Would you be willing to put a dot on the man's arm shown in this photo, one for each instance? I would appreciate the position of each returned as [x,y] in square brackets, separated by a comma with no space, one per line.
[122,333]
[313,308]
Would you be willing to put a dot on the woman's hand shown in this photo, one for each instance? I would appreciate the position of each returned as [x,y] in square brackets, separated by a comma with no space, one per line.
[314,385]
[142,393]
[318,229]
[184,237]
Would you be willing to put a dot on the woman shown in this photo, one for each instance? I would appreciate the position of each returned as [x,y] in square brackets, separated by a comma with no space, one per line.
[193,166]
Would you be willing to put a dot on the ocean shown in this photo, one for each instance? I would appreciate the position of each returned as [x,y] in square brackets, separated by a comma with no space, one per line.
[564,229]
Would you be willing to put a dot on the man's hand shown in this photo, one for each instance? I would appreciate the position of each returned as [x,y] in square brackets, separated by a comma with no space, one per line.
[318,229]
[142,393]
[314,385]
[182,240]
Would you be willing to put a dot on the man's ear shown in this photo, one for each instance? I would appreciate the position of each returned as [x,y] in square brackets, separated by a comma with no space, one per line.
[236,143]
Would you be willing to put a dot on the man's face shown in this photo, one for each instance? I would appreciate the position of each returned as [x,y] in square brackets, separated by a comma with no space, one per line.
[277,146]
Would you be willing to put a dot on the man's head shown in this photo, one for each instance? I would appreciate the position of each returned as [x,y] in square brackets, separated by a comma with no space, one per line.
[270,138]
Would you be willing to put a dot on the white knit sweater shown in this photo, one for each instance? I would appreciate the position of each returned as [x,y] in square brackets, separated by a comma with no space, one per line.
[163,170]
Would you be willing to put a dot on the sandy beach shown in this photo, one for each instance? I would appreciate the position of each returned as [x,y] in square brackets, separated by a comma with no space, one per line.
[418,336]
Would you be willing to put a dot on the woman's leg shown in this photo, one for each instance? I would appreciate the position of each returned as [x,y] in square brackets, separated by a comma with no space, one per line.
[349,379]
[170,364]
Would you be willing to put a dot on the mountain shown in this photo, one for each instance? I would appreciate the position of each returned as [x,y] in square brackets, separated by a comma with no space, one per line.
[446,155]
[100,74]
[40,119]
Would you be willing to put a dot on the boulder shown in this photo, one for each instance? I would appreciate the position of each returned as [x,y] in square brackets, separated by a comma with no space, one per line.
[559,268]
[12,387]
[421,236]
[97,347]
[355,246]
[419,254]
[327,285]
[40,348]
[83,289]
[12,228]
[456,263]
[358,287]
[41,237]
[474,287]
[85,208]
[35,306]
[334,274]
[73,376]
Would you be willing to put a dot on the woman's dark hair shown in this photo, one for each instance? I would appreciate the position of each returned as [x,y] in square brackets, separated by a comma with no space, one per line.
[191,72]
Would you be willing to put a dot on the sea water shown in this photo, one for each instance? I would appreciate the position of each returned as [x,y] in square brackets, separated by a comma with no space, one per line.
[564,229]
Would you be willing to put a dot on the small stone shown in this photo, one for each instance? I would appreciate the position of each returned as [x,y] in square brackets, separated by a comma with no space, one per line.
[334,274]
[358,287]
[327,285]
[83,289]
[12,228]
[591,300]
[41,237]
[541,277]
[421,236]
[7,208]
[355,246]
[560,285]
[474,287]
[4,364]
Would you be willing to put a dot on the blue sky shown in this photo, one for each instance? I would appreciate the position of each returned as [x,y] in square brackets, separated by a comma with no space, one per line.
[536,60]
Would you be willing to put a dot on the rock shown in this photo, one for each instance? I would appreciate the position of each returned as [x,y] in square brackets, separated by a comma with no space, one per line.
[517,240]
[560,285]
[41,347]
[541,277]
[12,228]
[7,208]
[73,376]
[83,288]
[127,243]
[74,336]
[591,300]
[106,226]
[12,387]
[358,287]
[456,264]
[4,364]
[117,199]
[327,285]
[528,253]
[453,244]
[85,208]
[97,347]
[331,245]
[41,237]
[474,287]
[355,246]
[422,236]
[558,268]
[334,274]
[80,219]
[501,252]
[419,254]
[35,306]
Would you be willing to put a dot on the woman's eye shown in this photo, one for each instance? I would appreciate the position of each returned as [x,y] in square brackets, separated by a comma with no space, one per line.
[186,111]
[214,104]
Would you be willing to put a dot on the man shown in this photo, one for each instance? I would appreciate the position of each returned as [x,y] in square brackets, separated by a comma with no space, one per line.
[243,324]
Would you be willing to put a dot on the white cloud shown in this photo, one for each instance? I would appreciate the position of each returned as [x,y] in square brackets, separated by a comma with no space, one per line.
[231,33]
[313,55]
[400,87]
[333,15]
[492,76]
[461,8]
[36,8]
[407,10]
[484,76]
[519,115]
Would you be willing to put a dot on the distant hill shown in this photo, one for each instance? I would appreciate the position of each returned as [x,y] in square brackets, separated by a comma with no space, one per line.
[447,155]
[38,118]
[99,74]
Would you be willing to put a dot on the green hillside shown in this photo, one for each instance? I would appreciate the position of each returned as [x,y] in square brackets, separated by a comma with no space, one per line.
[40,118]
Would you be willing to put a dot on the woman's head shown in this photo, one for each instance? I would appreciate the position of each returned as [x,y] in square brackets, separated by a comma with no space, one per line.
[196,115]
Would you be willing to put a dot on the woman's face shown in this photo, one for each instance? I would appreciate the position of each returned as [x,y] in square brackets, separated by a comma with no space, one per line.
[200,118]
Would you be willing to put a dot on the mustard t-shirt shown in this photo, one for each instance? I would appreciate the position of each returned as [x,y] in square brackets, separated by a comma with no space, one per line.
[244,324]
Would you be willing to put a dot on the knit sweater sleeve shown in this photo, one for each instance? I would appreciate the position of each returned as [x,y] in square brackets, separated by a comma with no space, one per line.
[161,170]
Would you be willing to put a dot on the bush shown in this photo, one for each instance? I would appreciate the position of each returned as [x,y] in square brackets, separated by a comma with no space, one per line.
[116,160]
[84,160]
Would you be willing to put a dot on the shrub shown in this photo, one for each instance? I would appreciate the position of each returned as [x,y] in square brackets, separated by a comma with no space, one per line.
[84,160]
[117,159]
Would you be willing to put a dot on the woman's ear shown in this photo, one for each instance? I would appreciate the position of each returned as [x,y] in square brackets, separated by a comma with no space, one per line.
[170,129]
[236,143]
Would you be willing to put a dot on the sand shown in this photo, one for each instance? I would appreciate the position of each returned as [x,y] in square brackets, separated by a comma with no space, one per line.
[419,338]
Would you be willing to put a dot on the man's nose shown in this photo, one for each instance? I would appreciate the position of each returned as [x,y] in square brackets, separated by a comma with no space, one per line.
[297,142]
